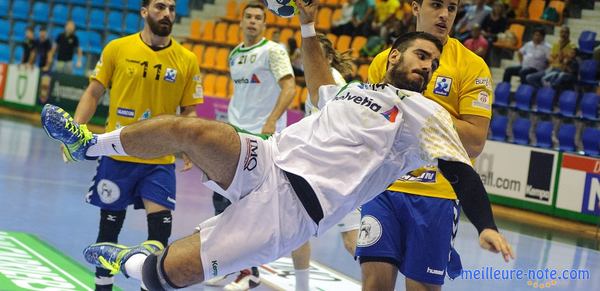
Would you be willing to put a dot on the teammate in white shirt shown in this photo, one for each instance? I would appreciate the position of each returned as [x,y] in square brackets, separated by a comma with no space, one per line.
[297,183]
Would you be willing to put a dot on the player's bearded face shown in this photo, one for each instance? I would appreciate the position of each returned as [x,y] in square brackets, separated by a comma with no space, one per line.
[403,77]
[160,27]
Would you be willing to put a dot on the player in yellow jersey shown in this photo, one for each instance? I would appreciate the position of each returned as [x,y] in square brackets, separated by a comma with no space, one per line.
[411,227]
[147,74]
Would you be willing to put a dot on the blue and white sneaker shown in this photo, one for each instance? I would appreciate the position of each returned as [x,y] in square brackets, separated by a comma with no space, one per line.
[60,126]
[112,256]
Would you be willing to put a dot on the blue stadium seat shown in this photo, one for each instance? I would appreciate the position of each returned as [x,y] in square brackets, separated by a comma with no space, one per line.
[587,72]
[4,53]
[59,14]
[567,103]
[134,5]
[18,31]
[4,8]
[110,37]
[587,41]
[566,137]
[40,12]
[118,4]
[498,127]
[4,30]
[95,42]
[83,37]
[20,9]
[501,94]
[97,19]
[79,71]
[115,21]
[182,8]
[54,32]
[520,129]
[544,100]
[543,134]
[589,106]
[79,16]
[132,23]
[17,57]
[591,141]
[98,3]
[81,2]
[523,97]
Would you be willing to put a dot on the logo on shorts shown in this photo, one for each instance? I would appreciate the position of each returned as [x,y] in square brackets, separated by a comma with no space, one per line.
[108,191]
[435,272]
[251,147]
[369,231]
[442,86]
[215,267]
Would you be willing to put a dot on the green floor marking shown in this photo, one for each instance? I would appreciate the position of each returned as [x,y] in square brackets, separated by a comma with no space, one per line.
[28,263]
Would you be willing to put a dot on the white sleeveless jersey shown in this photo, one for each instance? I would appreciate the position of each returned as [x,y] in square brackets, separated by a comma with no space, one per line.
[362,140]
[255,72]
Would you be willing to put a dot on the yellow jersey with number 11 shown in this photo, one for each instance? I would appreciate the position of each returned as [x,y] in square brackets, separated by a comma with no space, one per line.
[144,82]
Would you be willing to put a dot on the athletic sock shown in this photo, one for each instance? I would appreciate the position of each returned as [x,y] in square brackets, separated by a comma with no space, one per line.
[134,265]
[107,144]
[104,283]
[302,279]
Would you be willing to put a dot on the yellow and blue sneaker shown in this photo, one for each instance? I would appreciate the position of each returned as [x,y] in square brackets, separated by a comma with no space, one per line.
[112,256]
[60,126]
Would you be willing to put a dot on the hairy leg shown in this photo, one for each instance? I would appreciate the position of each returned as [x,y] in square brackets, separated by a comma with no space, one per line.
[213,146]
[182,264]
[301,257]
[379,276]
[349,238]
[412,285]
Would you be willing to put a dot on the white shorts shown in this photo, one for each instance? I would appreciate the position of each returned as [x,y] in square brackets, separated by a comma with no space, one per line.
[265,220]
[350,222]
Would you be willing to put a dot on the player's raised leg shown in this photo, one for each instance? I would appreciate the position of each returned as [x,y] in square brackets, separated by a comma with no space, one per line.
[213,146]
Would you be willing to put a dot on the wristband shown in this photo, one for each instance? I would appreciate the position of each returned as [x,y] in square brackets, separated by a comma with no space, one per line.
[308,30]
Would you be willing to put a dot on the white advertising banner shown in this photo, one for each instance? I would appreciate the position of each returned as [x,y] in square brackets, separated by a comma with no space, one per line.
[21,85]
[579,185]
[518,172]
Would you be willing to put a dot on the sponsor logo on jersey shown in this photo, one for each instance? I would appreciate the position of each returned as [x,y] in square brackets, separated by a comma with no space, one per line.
[170,75]
[360,100]
[251,147]
[484,81]
[108,191]
[125,112]
[391,114]
[483,100]
[369,232]
[253,80]
[442,86]
[215,267]
[198,92]
[427,176]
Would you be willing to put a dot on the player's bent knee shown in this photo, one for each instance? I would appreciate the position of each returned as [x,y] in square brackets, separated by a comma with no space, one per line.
[153,274]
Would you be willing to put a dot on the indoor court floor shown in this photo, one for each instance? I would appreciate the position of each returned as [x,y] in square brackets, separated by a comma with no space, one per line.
[43,196]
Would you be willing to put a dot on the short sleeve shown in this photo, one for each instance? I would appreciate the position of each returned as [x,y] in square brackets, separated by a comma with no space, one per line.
[105,65]
[193,92]
[279,62]
[326,93]
[438,139]
[476,93]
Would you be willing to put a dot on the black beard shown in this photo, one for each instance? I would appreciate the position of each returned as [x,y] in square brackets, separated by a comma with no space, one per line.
[399,78]
[158,29]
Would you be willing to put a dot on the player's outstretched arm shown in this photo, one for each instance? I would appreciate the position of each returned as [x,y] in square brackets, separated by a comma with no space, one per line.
[472,195]
[316,67]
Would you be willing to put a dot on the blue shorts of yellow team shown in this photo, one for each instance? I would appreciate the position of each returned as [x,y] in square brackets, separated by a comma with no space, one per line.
[120,184]
[413,232]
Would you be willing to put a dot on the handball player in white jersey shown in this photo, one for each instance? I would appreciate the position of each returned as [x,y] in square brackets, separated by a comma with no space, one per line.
[301,181]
